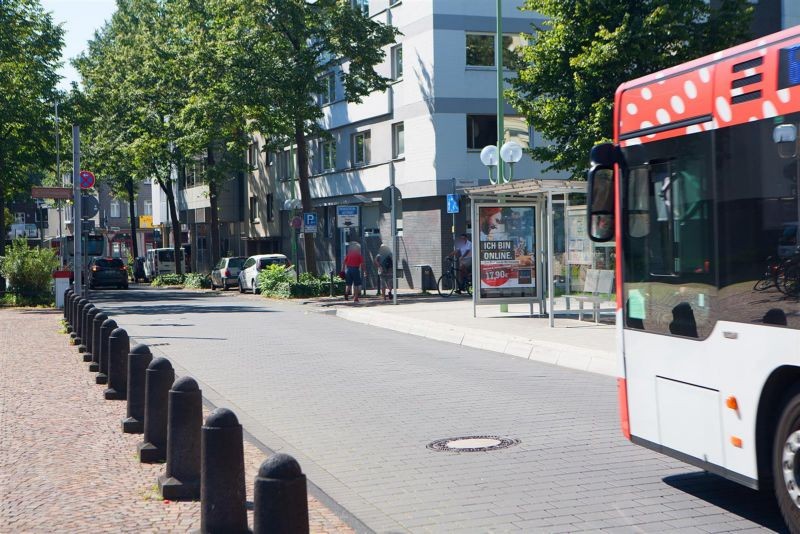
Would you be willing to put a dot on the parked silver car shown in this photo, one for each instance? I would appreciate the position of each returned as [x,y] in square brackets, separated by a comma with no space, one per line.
[226,272]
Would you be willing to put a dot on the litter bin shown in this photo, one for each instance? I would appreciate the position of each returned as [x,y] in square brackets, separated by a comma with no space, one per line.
[62,284]
[427,278]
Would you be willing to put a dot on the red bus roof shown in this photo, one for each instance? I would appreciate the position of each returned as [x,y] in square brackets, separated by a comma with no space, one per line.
[730,87]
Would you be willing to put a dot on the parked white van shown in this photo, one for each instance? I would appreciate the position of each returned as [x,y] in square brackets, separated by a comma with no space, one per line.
[160,261]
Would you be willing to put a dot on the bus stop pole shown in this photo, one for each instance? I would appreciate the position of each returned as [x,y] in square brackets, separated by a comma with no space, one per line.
[394,236]
[77,257]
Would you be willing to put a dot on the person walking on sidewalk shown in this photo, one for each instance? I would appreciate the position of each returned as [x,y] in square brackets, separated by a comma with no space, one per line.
[353,262]
[384,262]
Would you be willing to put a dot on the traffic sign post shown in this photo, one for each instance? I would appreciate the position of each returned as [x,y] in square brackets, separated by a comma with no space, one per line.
[87,179]
[309,223]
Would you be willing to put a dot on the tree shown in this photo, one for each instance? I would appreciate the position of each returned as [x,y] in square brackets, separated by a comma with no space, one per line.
[30,50]
[282,50]
[586,48]
[129,76]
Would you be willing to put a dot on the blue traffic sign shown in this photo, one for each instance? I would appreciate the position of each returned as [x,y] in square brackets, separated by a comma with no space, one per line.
[310,223]
[452,204]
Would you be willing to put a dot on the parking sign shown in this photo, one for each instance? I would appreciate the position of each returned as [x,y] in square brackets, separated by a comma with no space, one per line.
[309,223]
[346,216]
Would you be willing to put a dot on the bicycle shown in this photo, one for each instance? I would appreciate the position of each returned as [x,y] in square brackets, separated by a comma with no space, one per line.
[770,276]
[450,281]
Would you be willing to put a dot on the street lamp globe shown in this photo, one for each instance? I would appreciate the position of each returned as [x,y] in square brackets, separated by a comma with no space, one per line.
[511,152]
[490,156]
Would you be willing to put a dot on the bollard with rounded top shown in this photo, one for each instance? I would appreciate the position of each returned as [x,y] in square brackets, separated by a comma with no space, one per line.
[79,305]
[280,497]
[181,481]
[72,307]
[99,319]
[138,360]
[67,293]
[68,311]
[105,330]
[83,348]
[158,380]
[118,348]
[88,339]
[222,492]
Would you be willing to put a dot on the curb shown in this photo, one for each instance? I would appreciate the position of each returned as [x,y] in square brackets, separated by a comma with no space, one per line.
[594,361]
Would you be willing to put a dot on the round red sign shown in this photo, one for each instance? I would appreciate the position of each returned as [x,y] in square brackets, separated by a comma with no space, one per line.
[87,179]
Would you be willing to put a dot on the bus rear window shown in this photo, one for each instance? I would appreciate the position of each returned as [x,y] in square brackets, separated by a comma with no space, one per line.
[166,255]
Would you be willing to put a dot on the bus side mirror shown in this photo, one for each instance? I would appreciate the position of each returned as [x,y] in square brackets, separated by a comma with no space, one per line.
[785,136]
[600,194]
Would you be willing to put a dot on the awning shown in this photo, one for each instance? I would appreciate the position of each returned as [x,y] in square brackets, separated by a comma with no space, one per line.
[526,189]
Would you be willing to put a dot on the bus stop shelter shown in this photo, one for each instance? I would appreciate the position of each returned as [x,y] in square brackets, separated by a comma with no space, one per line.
[530,242]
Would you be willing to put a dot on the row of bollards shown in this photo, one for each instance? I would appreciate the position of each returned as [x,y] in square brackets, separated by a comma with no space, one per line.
[203,460]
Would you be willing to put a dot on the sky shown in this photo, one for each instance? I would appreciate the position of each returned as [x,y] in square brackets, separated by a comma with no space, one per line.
[80,19]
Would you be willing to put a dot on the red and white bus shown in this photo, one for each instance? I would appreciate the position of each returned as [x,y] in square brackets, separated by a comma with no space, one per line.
[698,189]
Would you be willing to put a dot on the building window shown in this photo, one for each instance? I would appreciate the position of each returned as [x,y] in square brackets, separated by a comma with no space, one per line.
[328,154]
[398,140]
[253,209]
[114,209]
[361,5]
[481,131]
[270,208]
[148,207]
[328,95]
[283,165]
[360,148]
[252,155]
[397,62]
[481,51]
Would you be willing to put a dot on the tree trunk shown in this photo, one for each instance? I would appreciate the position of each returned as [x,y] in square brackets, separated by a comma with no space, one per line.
[176,224]
[132,215]
[216,247]
[2,225]
[305,195]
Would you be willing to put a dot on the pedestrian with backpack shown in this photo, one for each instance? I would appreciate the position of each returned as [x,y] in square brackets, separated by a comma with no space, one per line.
[384,262]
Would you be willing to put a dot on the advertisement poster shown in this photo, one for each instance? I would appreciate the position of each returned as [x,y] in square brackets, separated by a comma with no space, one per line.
[579,248]
[507,253]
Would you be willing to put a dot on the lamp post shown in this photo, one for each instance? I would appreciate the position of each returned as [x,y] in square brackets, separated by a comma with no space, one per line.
[510,153]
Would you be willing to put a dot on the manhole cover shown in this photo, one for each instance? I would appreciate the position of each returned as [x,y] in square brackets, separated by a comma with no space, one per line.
[472,444]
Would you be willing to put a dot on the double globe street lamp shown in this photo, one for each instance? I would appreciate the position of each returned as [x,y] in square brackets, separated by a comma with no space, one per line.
[510,153]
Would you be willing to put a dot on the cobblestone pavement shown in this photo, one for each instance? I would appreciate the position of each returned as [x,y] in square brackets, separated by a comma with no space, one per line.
[65,465]
[357,405]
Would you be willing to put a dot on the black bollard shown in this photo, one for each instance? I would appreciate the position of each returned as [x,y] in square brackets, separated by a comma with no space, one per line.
[118,348]
[79,305]
[99,319]
[68,310]
[159,378]
[71,313]
[222,493]
[82,348]
[105,330]
[280,497]
[181,481]
[138,360]
[90,348]
[67,295]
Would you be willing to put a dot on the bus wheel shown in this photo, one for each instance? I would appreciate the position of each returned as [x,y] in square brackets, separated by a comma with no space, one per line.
[786,461]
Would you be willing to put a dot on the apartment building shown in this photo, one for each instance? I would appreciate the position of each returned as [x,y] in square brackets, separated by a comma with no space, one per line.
[424,133]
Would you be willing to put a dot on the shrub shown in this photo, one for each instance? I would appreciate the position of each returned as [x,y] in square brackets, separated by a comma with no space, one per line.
[167,280]
[196,281]
[29,272]
[276,281]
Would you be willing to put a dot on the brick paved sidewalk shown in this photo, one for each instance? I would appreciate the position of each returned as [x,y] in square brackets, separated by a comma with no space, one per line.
[65,465]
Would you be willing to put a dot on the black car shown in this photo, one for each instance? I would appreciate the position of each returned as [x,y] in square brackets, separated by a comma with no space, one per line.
[108,272]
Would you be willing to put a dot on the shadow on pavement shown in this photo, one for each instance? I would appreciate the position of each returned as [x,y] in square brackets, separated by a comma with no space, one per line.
[179,309]
[147,295]
[749,504]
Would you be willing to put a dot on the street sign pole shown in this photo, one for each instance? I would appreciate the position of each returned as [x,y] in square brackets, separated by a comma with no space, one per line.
[77,257]
[394,236]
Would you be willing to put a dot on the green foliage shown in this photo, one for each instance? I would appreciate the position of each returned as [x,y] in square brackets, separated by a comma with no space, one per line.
[196,281]
[587,48]
[168,280]
[30,51]
[29,272]
[277,282]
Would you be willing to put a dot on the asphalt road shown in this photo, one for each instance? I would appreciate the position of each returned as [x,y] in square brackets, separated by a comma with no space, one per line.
[357,406]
